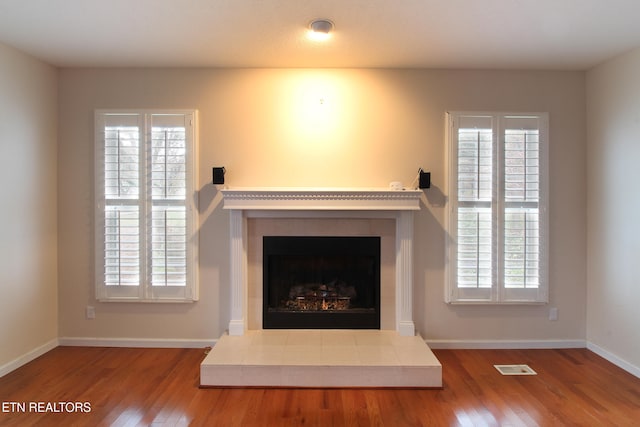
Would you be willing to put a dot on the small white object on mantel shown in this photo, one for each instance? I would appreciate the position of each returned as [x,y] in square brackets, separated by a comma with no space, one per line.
[396,185]
[353,203]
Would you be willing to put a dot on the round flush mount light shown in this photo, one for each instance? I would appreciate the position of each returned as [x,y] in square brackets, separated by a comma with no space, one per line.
[320,29]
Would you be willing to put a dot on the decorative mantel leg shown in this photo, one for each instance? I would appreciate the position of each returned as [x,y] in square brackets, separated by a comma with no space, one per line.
[404,274]
[237,323]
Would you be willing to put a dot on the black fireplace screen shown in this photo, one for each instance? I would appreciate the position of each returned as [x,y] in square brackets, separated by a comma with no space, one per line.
[321,282]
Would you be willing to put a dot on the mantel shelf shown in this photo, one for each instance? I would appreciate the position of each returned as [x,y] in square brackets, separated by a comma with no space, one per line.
[321,199]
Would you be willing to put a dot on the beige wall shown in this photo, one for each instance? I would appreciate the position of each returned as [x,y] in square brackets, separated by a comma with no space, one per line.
[28,253]
[342,128]
[613,113]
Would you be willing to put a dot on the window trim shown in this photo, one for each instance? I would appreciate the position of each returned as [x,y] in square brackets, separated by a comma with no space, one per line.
[498,294]
[145,292]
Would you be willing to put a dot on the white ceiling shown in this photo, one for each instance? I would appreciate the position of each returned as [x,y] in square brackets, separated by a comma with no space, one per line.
[509,34]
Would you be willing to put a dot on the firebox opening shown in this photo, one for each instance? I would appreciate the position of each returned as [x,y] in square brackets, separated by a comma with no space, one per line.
[321,282]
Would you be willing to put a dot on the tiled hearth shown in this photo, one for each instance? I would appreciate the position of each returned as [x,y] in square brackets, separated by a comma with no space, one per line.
[321,358]
[394,356]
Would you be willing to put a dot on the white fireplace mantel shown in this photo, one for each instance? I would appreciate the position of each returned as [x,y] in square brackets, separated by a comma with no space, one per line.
[318,203]
[321,199]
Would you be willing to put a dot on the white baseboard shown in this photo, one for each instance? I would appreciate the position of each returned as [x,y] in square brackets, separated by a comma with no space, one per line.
[27,357]
[504,344]
[621,363]
[135,342]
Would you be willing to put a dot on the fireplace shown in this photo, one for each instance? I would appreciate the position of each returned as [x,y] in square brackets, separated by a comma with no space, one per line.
[250,355]
[341,207]
[321,282]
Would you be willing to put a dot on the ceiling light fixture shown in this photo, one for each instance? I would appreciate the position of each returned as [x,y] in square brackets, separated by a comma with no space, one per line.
[320,29]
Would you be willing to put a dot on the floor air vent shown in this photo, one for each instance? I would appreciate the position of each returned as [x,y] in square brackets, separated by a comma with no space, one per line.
[515,370]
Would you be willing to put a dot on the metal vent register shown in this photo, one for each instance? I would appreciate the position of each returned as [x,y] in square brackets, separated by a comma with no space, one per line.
[515,370]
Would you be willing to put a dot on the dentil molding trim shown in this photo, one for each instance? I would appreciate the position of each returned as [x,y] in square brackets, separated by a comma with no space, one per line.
[321,199]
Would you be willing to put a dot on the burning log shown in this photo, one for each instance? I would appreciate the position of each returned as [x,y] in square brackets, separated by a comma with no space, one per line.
[316,303]
[320,297]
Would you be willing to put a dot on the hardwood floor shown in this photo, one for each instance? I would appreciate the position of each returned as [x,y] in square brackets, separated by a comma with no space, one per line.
[139,387]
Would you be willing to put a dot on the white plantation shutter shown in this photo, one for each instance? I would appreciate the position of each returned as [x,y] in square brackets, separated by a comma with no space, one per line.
[521,230]
[120,205]
[145,206]
[475,270]
[497,217]
[169,233]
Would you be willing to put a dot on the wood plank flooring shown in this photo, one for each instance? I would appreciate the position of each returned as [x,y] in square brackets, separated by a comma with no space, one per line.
[159,387]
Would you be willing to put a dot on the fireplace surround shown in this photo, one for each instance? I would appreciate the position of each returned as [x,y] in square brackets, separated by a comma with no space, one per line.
[328,205]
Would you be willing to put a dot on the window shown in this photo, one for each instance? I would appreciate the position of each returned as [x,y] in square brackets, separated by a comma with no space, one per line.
[497,218]
[146,216]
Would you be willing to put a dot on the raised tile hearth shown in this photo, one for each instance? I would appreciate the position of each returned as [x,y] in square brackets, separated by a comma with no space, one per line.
[321,358]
